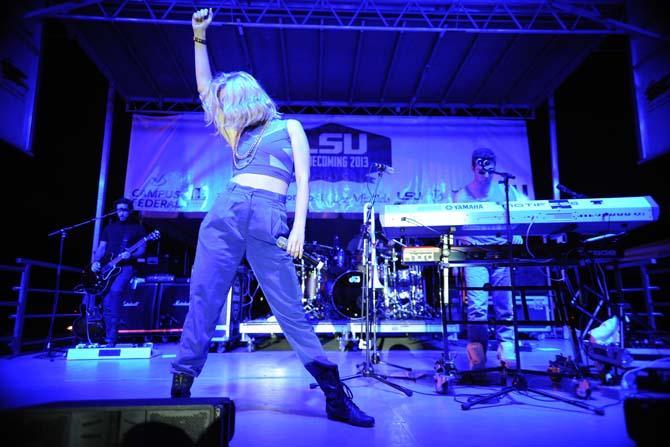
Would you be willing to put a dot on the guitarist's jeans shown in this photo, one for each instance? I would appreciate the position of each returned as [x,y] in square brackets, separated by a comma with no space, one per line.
[243,221]
[111,303]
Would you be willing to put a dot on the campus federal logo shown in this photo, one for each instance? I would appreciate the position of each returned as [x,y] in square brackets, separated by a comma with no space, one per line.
[341,153]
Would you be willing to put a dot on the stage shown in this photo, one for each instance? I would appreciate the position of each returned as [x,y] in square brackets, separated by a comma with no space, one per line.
[426,159]
[276,407]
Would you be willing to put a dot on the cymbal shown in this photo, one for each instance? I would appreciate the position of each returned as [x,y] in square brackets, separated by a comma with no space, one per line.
[385,252]
[381,251]
[316,246]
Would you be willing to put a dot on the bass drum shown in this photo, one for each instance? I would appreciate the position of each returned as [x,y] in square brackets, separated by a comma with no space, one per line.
[346,293]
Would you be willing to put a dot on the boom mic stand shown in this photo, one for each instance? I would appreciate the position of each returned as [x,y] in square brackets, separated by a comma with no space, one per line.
[519,382]
[373,273]
[368,294]
[62,232]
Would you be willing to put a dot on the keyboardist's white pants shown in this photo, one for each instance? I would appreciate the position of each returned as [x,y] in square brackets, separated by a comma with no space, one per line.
[478,302]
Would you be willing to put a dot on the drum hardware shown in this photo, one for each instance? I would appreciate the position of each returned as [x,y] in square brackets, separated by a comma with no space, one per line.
[311,285]
[346,294]
[401,290]
[319,249]
[404,292]
[339,254]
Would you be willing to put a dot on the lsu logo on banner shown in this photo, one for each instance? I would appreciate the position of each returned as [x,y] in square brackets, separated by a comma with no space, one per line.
[340,153]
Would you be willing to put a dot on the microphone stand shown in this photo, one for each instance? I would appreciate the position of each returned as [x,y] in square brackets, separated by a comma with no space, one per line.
[366,369]
[519,382]
[445,365]
[62,233]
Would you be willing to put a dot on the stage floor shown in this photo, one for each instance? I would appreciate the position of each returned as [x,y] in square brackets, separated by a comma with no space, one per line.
[275,406]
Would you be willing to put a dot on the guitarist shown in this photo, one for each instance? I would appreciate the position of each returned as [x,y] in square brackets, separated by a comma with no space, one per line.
[116,237]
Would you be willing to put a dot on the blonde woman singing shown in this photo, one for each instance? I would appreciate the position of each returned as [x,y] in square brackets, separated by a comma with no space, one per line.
[267,152]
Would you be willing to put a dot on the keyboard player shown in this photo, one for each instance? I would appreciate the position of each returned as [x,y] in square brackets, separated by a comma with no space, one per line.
[483,188]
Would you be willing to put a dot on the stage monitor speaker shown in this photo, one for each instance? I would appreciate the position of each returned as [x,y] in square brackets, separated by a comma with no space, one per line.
[646,418]
[173,305]
[125,423]
[139,307]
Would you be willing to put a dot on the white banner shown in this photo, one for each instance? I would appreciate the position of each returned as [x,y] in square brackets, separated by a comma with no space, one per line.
[177,164]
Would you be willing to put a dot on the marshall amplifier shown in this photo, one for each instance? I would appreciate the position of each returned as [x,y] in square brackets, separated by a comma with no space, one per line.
[173,299]
[138,308]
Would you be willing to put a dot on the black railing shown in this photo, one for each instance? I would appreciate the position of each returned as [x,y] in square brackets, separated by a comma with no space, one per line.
[25,268]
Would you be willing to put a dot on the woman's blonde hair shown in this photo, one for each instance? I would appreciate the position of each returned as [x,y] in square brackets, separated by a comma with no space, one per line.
[235,101]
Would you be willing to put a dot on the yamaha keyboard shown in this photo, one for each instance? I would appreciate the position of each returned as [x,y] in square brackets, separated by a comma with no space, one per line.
[533,217]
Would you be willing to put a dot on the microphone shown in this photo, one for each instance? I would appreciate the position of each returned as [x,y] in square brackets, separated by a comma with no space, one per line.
[486,165]
[569,192]
[381,167]
[64,230]
[282,243]
[109,214]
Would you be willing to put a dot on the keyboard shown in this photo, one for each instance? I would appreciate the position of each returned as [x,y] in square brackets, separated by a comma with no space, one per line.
[533,217]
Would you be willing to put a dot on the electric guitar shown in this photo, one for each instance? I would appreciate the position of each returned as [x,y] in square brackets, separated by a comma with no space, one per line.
[96,283]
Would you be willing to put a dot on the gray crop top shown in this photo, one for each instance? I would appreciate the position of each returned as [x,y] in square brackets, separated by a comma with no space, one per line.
[274,155]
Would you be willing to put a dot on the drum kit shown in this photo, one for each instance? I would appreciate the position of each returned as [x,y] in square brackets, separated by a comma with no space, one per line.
[335,290]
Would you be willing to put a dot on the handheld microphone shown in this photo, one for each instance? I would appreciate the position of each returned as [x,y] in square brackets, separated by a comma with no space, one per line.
[381,167]
[282,243]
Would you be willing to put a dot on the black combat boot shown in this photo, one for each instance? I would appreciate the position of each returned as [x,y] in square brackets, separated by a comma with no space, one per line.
[339,403]
[181,385]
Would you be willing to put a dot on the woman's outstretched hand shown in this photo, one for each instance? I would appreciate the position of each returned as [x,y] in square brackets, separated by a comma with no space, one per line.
[201,20]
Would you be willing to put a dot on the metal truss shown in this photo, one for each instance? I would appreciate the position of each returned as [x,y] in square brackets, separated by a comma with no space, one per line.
[185,105]
[478,16]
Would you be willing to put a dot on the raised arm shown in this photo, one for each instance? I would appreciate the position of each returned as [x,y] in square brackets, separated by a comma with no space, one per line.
[203,74]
